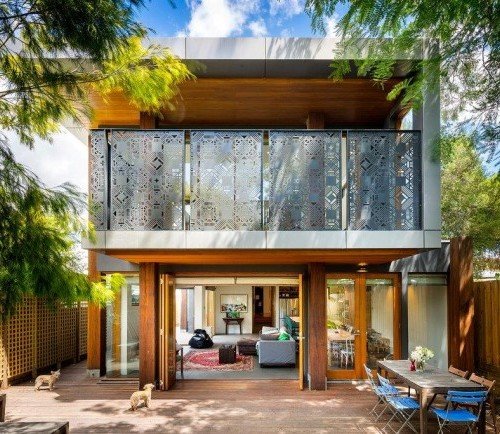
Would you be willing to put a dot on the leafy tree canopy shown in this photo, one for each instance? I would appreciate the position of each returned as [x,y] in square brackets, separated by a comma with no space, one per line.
[467,62]
[37,226]
[52,53]
[470,203]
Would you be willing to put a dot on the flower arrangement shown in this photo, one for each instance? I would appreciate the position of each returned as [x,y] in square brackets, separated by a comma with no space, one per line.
[420,355]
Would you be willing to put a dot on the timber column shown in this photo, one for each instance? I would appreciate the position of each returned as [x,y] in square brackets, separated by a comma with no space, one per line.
[149,282]
[461,305]
[148,322]
[96,327]
[316,314]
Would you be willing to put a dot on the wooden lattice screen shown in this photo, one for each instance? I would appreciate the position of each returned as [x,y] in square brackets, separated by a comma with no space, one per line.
[37,338]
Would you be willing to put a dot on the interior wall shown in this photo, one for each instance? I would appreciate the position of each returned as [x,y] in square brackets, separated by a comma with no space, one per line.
[199,307]
[382,310]
[220,326]
[427,321]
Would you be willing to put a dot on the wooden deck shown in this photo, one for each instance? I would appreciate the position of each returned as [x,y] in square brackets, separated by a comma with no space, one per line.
[263,406]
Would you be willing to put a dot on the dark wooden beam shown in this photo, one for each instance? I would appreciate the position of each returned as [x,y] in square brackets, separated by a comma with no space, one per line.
[147,121]
[316,309]
[148,322]
[96,355]
[315,121]
[461,305]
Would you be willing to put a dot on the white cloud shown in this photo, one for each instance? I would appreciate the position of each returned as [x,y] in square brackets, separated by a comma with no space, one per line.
[331,24]
[63,160]
[258,27]
[285,33]
[220,18]
[286,8]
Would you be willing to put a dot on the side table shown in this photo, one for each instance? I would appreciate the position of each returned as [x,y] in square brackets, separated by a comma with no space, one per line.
[233,321]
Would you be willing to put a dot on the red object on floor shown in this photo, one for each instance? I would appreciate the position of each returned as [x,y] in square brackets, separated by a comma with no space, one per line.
[208,360]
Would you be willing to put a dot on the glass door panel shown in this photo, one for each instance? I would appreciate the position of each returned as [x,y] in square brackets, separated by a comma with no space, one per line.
[122,331]
[379,320]
[340,322]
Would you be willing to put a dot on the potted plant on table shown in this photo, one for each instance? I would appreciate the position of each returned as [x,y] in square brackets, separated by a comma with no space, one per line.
[420,356]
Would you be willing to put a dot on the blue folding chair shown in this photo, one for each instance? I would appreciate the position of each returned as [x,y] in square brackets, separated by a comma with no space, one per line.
[404,408]
[454,416]
[382,393]
[387,390]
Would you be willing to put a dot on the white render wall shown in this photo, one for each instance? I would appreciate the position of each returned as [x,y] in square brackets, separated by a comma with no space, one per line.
[246,325]
[184,240]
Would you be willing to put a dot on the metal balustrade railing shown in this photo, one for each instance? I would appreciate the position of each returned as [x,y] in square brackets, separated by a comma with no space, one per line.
[281,180]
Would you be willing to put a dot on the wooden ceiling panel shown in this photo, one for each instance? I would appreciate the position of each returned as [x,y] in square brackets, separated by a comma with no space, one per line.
[261,257]
[261,102]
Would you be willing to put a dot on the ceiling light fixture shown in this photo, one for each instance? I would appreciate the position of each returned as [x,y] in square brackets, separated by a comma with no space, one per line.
[362,267]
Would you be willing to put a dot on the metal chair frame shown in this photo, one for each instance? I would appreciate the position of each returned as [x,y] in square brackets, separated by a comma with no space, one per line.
[381,392]
[451,416]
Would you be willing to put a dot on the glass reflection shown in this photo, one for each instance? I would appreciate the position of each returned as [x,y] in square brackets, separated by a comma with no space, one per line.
[379,320]
[340,324]
[122,331]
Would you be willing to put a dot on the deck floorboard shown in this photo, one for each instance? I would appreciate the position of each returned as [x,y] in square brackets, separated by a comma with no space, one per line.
[226,406]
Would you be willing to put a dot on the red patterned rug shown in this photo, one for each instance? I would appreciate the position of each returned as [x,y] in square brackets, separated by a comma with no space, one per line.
[208,360]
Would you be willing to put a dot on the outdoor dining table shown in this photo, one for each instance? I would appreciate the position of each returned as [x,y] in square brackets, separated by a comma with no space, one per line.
[427,383]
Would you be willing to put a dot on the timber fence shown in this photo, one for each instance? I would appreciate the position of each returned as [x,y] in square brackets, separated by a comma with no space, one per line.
[487,329]
[37,338]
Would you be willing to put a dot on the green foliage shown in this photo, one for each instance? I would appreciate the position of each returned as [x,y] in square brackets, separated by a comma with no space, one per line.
[470,203]
[37,230]
[461,43]
[52,51]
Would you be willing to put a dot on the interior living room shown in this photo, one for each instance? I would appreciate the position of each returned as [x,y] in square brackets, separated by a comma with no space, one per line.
[252,329]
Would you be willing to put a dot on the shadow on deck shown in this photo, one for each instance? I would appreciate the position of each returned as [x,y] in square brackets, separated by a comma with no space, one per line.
[263,406]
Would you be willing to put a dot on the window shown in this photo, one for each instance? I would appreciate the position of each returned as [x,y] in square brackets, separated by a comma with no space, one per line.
[427,316]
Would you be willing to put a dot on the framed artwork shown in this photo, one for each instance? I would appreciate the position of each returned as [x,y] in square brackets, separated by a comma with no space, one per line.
[234,303]
[134,295]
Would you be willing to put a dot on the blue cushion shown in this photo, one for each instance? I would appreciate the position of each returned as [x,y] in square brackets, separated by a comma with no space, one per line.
[403,403]
[455,415]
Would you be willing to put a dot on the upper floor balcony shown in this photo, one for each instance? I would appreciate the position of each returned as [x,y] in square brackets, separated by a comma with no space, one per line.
[257,188]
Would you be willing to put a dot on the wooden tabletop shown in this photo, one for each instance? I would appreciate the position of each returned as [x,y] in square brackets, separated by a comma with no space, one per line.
[340,335]
[35,427]
[432,379]
[238,320]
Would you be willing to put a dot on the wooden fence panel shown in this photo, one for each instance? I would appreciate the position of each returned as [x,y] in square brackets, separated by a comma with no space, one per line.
[36,338]
[21,337]
[83,330]
[487,328]
[46,335]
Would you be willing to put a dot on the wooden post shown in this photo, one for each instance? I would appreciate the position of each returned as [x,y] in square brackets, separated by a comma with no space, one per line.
[461,305]
[147,121]
[315,121]
[317,343]
[95,365]
[148,322]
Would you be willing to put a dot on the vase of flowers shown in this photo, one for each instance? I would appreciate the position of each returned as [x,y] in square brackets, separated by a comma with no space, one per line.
[420,356]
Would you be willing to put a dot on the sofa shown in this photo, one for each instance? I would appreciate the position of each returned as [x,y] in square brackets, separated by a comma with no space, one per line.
[276,353]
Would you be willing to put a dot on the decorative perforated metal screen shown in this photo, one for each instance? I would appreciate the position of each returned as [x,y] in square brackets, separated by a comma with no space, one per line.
[384,173]
[304,180]
[98,179]
[226,180]
[146,180]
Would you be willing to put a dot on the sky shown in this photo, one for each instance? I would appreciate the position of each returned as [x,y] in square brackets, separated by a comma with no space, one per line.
[229,18]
